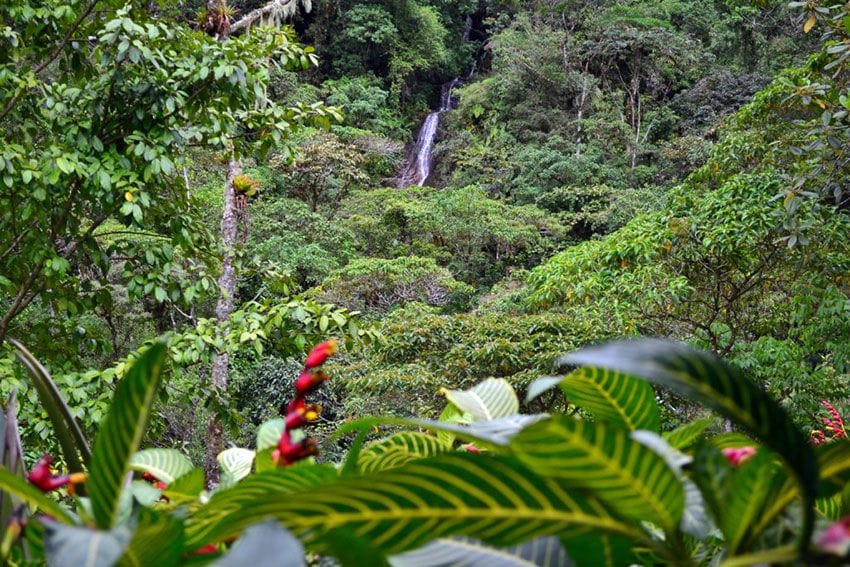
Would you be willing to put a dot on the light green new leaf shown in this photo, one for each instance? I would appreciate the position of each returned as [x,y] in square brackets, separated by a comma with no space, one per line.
[75,448]
[491,498]
[491,399]
[24,491]
[121,432]
[445,552]
[235,464]
[629,477]
[399,449]
[164,464]
[609,396]
[269,434]
[705,378]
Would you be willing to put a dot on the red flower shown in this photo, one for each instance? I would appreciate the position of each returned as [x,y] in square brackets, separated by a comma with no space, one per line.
[470,448]
[301,416]
[738,455]
[320,354]
[309,381]
[288,452]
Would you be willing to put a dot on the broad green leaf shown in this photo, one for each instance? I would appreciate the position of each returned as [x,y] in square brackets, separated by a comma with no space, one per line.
[164,464]
[267,544]
[157,540]
[705,378]
[491,399]
[399,449]
[685,435]
[491,498]
[600,550]
[269,434]
[24,491]
[121,432]
[73,546]
[75,448]
[608,396]
[630,478]
[282,480]
[444,552]
[235,464]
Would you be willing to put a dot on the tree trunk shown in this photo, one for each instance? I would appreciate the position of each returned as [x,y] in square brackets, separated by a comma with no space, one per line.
[223,311]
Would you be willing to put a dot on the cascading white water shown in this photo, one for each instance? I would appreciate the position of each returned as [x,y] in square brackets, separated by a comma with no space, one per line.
[419,167]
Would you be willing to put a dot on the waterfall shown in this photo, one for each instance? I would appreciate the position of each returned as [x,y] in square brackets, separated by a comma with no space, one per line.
[418,168]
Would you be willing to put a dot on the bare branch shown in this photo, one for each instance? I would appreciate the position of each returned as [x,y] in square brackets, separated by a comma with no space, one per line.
[284,8]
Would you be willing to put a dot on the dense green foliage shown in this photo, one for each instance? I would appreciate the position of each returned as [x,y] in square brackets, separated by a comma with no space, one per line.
[600,169]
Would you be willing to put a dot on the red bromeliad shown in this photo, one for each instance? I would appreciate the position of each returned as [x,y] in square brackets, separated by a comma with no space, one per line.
[299,413]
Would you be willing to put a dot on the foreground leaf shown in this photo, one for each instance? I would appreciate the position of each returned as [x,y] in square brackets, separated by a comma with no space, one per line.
[491,498]
[24,491]
[157,540]
[267,544]
[540,552]
[629,477]
[75,448]
[705,378]
[609,396]
[72,546]
[121,432]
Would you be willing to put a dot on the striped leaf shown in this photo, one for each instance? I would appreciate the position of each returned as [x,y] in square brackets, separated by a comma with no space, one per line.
[399,449]
[25,492]
[166,465]
[626,475]
[157,540]
[235,464]
[607,395]
[121,432]
[445,552]
[269,434]
[495,433]
[685,435]
[266,544]
[74,446]
[285,481]
[706,379]
[491,399]
[486,497]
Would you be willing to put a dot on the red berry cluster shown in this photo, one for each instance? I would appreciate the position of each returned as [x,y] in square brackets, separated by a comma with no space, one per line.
[299,413]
